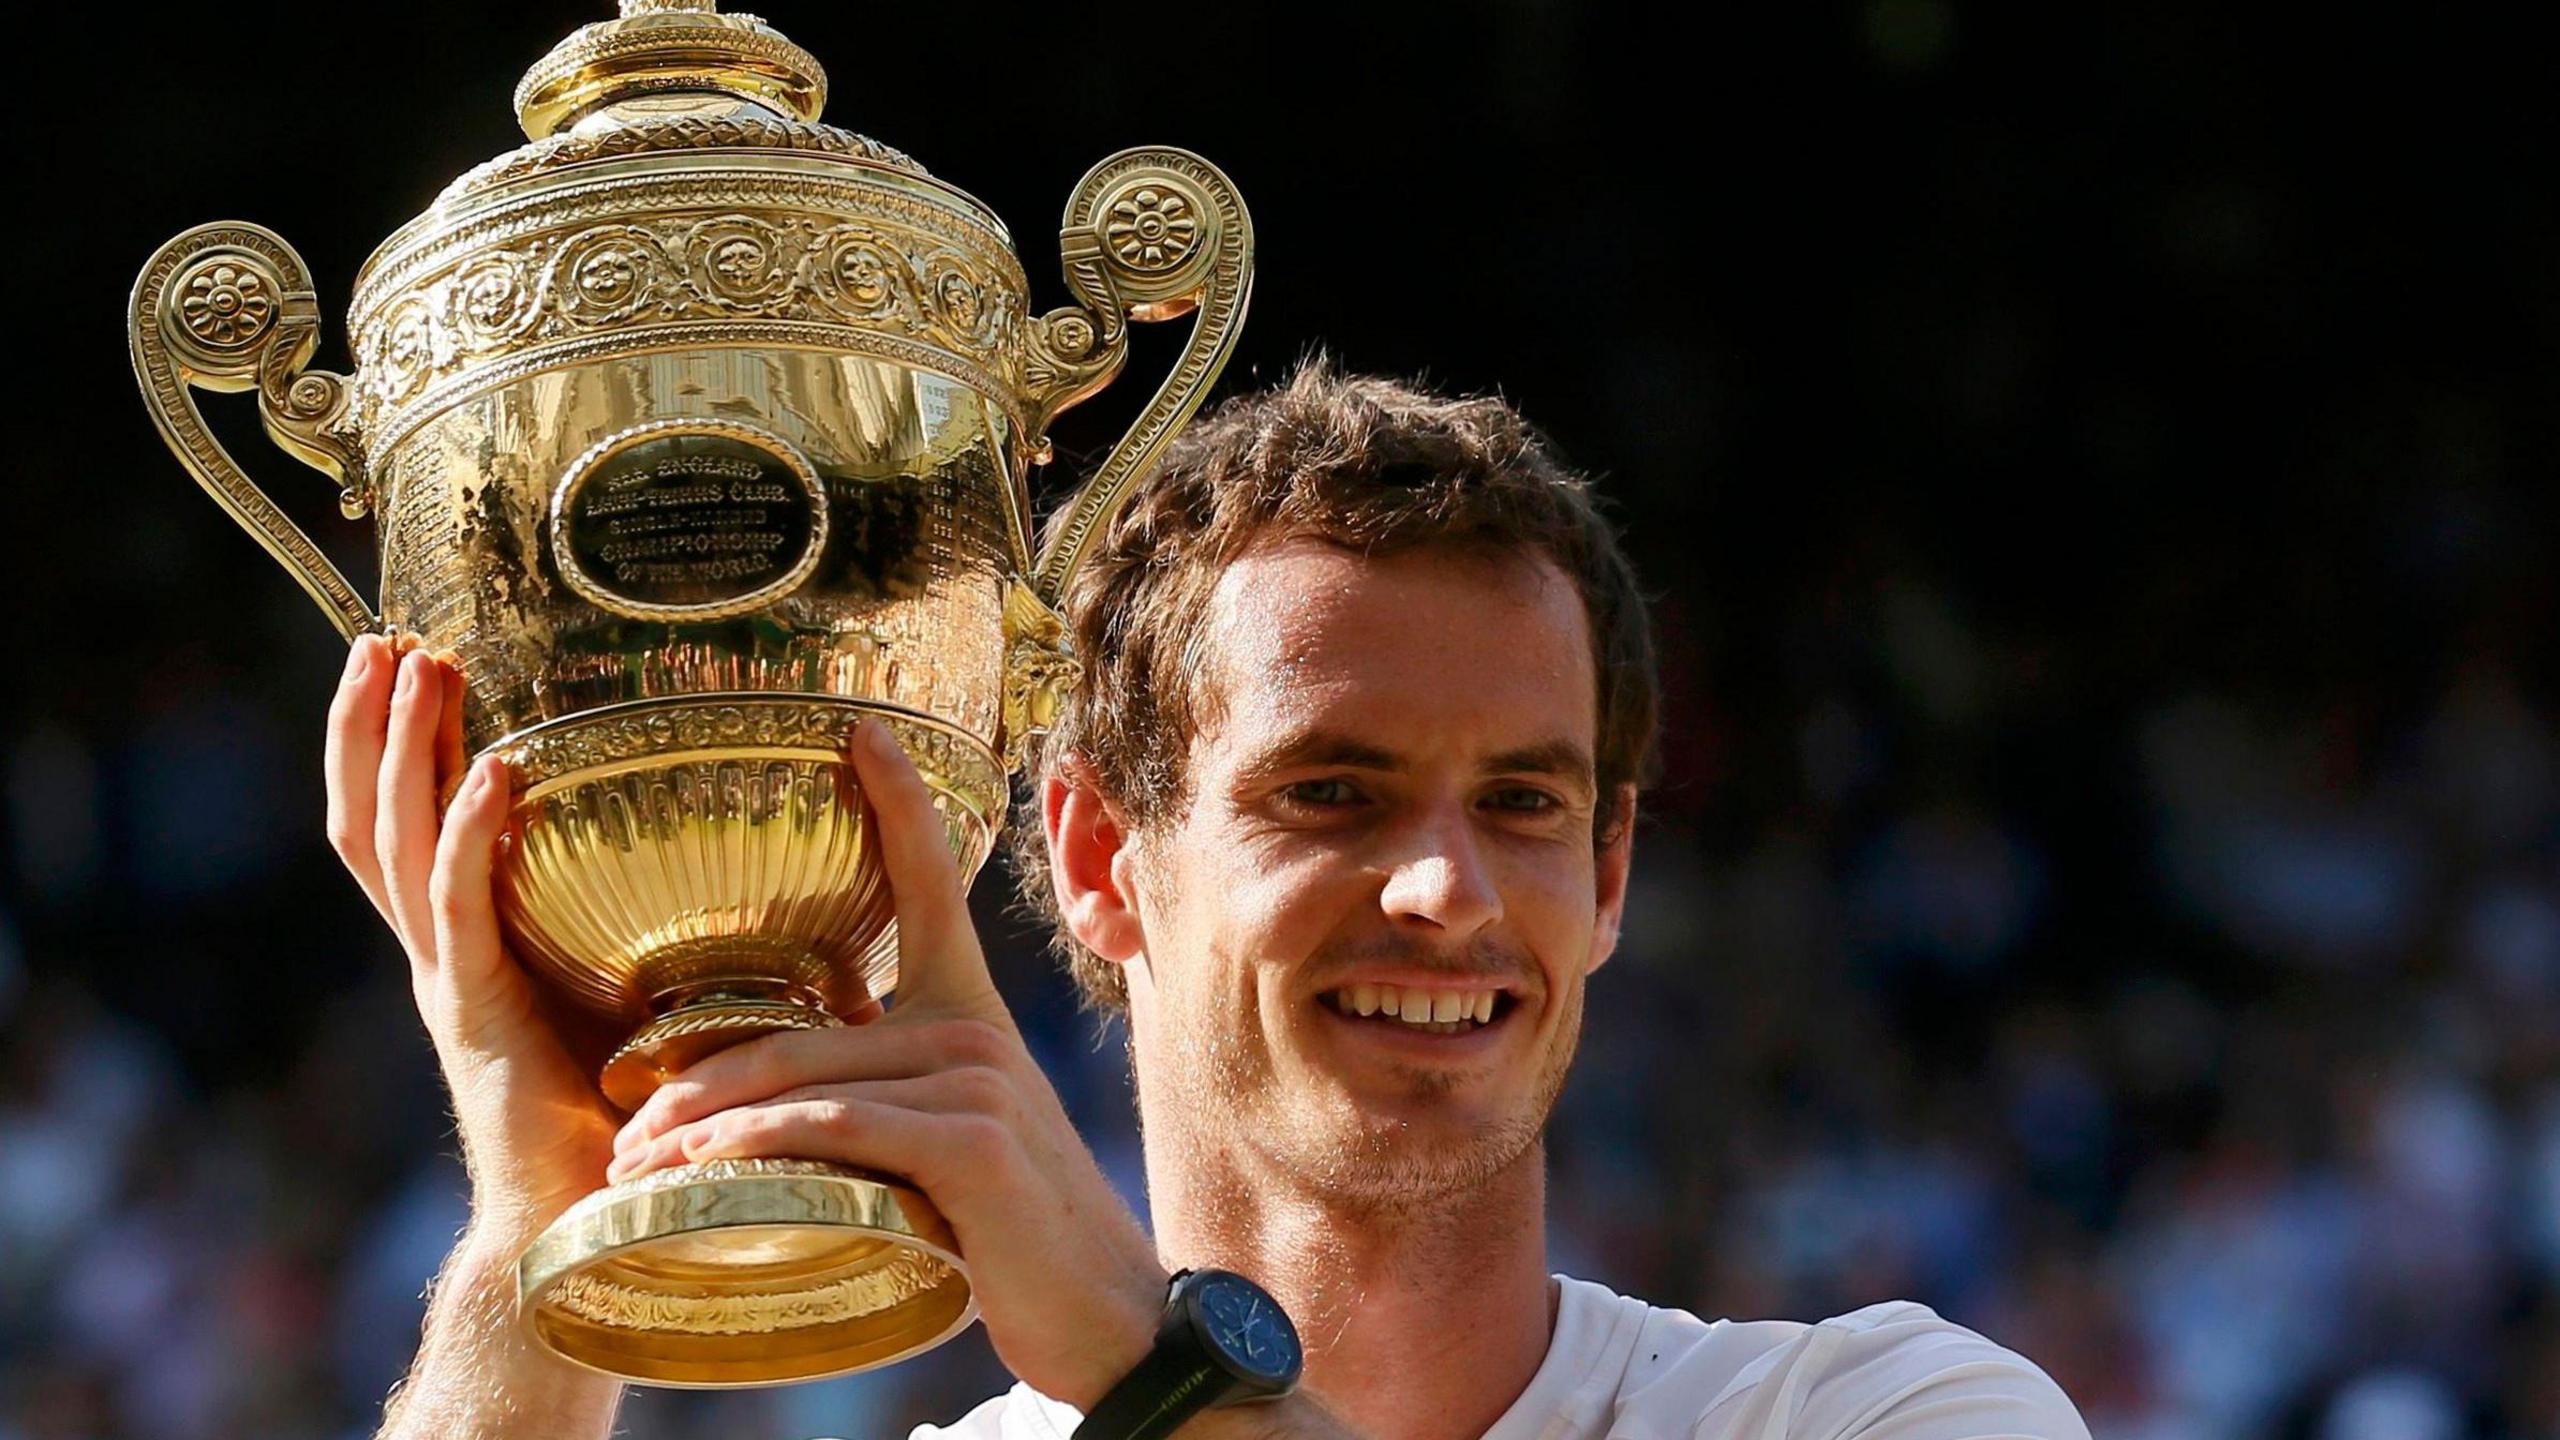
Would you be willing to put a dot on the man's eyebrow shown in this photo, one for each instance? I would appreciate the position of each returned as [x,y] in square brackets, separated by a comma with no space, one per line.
[1561,758]
[1324,747]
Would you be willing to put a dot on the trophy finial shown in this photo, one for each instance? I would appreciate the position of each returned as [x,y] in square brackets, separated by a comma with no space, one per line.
[669,47]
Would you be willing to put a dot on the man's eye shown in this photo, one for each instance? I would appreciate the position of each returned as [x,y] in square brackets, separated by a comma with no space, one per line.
[1522,799]
[1322,794]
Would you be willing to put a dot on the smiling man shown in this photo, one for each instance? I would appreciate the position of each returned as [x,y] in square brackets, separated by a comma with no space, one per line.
[1341,818]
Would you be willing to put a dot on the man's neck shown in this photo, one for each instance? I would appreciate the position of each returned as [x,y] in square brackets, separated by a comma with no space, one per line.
[1420,1326]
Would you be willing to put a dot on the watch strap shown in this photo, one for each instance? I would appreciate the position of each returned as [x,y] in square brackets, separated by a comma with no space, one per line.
[1176,1381]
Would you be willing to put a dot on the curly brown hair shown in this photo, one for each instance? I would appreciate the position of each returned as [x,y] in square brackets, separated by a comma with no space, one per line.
[1371,464]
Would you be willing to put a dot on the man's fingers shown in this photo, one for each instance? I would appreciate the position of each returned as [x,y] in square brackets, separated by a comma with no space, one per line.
[450,761]
[933,1146]
[938,955]
[458,895]
[351,761]
[776,1064]
[928,885]
[404,818]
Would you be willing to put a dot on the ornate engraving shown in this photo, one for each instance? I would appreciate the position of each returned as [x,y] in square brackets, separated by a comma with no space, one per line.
[715,1020]
[1073,351]
[405,351]
[1039,670]
[1151,227]
[493,300]
[616,282]
[924,208]
[689,132]
[650,730]
[226,304]
[909,1274]
[669,1043]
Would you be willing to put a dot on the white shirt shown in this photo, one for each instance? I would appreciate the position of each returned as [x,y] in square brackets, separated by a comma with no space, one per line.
[1619,1369]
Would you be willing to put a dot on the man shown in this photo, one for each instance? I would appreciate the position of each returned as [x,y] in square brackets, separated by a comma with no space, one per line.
[1341,817]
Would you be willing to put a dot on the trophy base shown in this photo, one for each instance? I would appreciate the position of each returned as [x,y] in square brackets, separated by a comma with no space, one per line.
[735,1273]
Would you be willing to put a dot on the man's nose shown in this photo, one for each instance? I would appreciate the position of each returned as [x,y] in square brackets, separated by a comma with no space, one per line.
[1439,878]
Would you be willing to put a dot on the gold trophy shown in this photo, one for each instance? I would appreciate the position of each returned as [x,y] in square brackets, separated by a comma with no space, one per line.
[697,430]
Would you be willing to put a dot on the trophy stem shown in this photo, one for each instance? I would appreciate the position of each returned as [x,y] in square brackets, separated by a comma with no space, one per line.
[698,1020]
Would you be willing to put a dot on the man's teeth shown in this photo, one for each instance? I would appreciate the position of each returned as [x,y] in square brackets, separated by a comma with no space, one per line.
[1439,1010]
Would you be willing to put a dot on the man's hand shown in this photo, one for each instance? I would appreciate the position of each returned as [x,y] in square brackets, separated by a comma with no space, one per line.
[942,1092]
[536,1132]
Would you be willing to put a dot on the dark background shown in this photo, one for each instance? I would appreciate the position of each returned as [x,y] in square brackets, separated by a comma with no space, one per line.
[2096,467]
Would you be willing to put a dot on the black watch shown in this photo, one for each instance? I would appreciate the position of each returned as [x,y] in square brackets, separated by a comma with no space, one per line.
[1223,1341]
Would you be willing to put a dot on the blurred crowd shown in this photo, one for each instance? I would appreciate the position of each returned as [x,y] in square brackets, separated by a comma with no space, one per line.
[2210,1056]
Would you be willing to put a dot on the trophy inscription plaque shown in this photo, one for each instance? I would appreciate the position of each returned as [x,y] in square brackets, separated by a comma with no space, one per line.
[696,430]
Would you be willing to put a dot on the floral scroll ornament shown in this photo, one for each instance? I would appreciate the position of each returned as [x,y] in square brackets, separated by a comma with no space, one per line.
[739,262]
[605,275]
[973,311]
[491,302]
[226,305]
[1151,228]
[408,345]
[869,282]
[957,298]
[1072,335]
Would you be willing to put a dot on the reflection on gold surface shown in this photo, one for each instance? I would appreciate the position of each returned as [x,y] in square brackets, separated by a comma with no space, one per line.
[904,605]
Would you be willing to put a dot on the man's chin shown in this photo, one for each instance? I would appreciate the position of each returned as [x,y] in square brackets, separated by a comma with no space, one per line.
[1399,1151]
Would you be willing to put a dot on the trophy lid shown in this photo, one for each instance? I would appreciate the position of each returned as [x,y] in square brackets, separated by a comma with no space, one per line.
[667,75]
[669,48]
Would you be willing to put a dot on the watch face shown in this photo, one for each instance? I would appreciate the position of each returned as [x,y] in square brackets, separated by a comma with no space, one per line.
[1247,1328]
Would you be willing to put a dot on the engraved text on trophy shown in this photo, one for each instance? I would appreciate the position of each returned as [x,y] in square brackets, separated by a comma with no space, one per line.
[679,521]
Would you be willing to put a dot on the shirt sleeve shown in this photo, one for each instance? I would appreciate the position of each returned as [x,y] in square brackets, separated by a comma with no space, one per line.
[1898,1372]
[1020,1413]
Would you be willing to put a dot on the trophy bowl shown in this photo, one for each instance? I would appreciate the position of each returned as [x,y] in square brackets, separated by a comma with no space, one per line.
[696,432]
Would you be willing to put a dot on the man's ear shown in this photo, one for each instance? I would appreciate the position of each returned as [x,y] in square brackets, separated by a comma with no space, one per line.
[1609,878]
[1087,835]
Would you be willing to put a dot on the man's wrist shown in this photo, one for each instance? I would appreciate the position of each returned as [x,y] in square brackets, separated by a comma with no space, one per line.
[1125,1332]
[1220,1340]
[478,1373]
[474,1309]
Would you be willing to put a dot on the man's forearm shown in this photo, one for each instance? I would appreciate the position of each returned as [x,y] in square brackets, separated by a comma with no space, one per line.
[479,1376]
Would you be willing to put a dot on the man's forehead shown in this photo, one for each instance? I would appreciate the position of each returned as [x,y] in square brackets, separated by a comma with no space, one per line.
[1302,627]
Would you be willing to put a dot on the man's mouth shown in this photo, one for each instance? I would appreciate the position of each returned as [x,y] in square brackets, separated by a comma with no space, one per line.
[1434,1011]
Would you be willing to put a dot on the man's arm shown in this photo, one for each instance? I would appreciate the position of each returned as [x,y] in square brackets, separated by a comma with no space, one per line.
[479,1376]
[535,1131]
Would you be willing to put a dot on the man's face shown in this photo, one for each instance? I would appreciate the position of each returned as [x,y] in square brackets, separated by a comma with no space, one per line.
[1390,810]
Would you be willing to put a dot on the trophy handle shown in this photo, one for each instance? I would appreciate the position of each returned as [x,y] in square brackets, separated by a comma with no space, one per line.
[229,307]
[1152,234]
